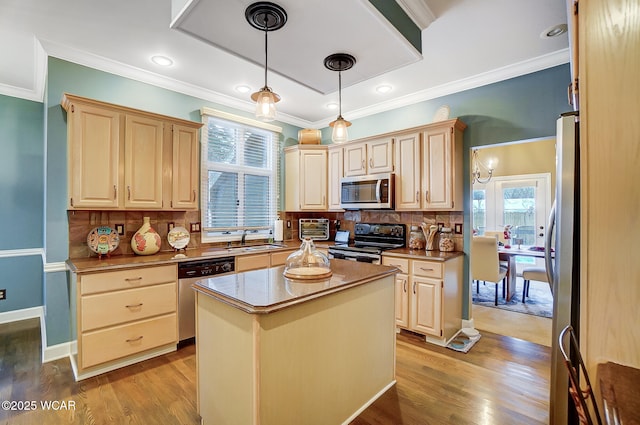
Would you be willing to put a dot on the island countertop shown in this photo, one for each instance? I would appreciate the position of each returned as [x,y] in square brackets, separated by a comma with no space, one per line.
[268,290]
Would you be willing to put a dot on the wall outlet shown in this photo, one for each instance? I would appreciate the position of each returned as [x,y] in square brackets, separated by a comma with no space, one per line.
[288,224]
[195,227]
[120,229]
[3,294]
[170,226]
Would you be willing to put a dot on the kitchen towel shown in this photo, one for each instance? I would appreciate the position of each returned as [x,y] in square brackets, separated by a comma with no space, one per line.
[278,230]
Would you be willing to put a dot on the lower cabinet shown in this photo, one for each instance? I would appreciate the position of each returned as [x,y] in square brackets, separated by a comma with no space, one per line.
[261,261]
[428,296]
[123,315]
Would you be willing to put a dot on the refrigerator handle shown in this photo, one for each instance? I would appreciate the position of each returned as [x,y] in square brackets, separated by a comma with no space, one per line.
[548,261]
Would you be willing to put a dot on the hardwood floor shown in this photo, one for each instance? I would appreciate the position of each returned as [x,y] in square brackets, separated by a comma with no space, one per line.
[502,380]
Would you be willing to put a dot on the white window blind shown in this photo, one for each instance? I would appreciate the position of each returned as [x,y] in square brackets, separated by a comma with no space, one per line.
[239,177]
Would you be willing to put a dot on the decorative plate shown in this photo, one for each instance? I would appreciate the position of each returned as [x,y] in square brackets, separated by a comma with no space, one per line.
[178,237]
[103,240]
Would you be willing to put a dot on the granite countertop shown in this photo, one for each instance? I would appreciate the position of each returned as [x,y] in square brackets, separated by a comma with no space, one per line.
[421,254]
[94,264]
[268,290]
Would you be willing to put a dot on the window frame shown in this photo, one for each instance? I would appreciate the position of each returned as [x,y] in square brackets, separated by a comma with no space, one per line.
[235,234]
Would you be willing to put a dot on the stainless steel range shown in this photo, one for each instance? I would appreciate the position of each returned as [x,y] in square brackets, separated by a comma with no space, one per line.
[370,239]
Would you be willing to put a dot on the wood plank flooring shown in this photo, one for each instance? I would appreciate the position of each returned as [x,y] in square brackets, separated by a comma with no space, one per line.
[502,380]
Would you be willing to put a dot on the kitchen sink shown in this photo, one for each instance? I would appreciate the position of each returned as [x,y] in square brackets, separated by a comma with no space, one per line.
[241,249]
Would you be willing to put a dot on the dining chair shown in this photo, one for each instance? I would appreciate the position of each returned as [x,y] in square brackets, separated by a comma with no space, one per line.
[485,264]
[539,274]
[582,396]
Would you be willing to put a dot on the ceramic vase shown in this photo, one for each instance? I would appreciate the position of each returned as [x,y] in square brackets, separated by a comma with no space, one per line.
[146,240]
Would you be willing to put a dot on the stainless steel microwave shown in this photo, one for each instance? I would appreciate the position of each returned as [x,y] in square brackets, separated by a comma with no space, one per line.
[374,191]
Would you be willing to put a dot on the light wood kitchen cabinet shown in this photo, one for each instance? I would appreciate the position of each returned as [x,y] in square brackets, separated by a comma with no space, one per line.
[368,157]
[252,262]
[430,303]
[124,316]
[93,156]
[442,166]
[123,158]
[143,162]
[408,183]
[306,178]
[435,181]
[335,170]
[401,289]
[184,168]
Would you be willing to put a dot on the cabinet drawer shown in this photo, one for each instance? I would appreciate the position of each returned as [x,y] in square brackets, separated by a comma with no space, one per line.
[426,269]
[124,340]
[107,309]
[401,263]
[279,258]
[127,279]
[252,262]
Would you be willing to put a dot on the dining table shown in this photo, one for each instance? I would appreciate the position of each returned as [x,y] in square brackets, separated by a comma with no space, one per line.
[509,253]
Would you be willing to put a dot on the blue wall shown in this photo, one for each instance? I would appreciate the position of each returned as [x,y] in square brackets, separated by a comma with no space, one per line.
[21,214]
[517,109]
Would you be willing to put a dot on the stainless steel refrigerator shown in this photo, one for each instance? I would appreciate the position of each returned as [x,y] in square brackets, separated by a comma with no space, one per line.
[563,270]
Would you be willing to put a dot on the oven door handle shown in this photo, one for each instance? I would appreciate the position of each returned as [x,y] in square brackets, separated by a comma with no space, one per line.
[365,259]
[338,255]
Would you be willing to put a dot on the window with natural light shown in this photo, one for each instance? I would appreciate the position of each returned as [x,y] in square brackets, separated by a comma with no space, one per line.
[239,177]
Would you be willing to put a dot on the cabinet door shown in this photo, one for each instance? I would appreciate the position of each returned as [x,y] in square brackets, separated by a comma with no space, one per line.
[313,180]
[380,156]
[426,306]
[184,184]
[94,151]
[437,171]
[402,300]
[143,162]
[407,153]
[335,174]
[355,159]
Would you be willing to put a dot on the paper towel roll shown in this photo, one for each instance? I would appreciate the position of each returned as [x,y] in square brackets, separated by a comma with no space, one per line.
[278,231]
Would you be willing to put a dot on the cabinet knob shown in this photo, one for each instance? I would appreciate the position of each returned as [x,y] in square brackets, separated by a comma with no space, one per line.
[414,287]
[115,192]
[418,196]
[426,196]
[129,192]
[371,162]
[194,195]
[134,339]
[405,285]
[363,164]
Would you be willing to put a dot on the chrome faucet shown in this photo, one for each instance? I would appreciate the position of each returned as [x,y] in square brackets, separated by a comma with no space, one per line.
[244,236]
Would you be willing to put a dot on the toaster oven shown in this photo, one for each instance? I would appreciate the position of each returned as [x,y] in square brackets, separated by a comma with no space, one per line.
[314,228]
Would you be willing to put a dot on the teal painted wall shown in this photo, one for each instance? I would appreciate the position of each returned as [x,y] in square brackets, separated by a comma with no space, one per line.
[21,189]
[71,78]
[520,108]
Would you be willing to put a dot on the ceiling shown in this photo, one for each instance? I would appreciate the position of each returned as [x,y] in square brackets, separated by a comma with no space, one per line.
[465,44]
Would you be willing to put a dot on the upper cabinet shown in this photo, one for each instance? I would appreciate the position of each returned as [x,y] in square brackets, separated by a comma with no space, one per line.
[122,158]
[306,178]
[429,167]
[372,156]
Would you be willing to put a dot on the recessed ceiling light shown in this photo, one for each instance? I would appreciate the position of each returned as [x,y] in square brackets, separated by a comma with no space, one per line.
[384,88]
[554,31]
[161,60]
[243,88]
[332,105]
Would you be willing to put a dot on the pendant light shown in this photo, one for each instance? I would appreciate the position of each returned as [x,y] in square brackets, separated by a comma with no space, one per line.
[339,62]
[265,16]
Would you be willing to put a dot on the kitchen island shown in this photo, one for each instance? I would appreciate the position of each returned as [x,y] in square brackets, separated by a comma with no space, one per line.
[276,351]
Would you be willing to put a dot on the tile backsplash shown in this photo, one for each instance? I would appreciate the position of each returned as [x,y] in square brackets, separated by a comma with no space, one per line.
[82,222]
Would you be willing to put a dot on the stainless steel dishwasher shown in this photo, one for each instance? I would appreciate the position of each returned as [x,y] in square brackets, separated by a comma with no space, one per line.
[188,273]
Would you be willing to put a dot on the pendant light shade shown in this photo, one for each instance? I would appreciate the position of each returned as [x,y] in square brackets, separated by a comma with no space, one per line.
[265,16]
[339,62]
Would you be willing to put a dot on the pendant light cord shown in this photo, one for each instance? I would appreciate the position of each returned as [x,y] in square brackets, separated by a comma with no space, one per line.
[266,50]
[340,94]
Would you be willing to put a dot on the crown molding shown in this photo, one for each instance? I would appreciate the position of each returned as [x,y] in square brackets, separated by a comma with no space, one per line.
[518,69]
[46,48]
[418,11]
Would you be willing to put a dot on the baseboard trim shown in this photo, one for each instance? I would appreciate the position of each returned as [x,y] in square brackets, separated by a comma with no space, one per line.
[56,352]
[24,314]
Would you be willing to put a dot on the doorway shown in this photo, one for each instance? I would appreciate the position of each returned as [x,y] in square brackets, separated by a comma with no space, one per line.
[519,193]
